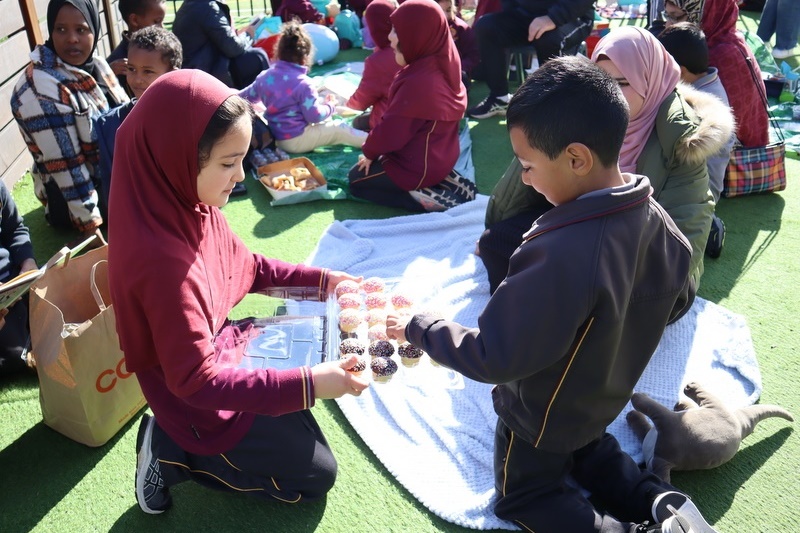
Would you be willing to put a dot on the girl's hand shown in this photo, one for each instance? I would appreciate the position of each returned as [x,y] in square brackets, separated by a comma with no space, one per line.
[335,277]
[332,380]
[364,163]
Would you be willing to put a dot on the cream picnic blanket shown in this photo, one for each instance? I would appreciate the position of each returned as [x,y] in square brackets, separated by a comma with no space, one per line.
[434,429]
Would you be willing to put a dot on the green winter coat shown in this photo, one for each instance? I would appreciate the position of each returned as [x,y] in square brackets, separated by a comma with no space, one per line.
[690,127]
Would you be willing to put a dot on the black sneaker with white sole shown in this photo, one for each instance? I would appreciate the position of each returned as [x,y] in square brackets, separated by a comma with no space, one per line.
[489,107]
[670,504]
[151,494]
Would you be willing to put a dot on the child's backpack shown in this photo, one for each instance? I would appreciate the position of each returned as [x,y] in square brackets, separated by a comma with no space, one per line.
[348,28]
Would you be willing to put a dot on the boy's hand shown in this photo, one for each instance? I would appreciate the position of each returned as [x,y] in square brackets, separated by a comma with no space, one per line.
[539,26]
[119,66]
[335,277]
[396,327]
[332,380]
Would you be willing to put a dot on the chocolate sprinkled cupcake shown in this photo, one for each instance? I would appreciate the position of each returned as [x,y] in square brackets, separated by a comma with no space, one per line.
[359,367]
[351,346]
[409,354]
[381,349]
[383,368]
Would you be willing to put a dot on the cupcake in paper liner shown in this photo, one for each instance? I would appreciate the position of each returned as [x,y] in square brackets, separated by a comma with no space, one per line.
[409,354]
[383,369]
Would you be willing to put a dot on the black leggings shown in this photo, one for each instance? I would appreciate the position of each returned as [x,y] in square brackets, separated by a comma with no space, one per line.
[379,188]
[284,458]
[534,493]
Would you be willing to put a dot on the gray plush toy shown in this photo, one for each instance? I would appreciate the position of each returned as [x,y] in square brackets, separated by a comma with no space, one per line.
[696,435]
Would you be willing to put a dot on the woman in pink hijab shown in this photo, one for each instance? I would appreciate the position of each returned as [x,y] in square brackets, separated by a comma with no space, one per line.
[175,272]
[672,130]
[415,146]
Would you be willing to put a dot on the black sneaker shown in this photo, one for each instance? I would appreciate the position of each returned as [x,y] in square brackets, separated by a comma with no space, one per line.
[716,238]
[489,107]
[672,504]
[151,494]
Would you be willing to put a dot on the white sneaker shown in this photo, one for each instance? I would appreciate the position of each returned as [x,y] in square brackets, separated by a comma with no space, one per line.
[780,53]
[673,503]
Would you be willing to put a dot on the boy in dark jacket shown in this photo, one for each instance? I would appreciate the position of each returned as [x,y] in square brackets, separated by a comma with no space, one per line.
[137,14]
[570,330]
[152,52]
[16,257]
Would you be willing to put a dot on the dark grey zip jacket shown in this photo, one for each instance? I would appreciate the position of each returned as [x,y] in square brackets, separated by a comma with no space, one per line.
[569,332]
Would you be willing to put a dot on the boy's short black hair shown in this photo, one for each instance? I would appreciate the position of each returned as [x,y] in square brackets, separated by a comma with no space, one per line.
[686,42]
[126,7]
[159,40]
[570,99]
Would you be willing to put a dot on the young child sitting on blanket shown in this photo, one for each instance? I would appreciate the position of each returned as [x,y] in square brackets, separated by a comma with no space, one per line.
[380,67]
[296,113]
[415,146]
[603,272]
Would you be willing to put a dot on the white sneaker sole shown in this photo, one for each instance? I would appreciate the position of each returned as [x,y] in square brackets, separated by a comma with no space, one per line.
[142,463]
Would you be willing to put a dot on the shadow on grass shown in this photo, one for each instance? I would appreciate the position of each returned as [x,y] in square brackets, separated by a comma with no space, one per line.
[747,219]
[197,509]
[714,490]
[39,469]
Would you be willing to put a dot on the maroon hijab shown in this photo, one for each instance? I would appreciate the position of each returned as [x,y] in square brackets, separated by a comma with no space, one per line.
[170,256]
[429,86]
[376,17]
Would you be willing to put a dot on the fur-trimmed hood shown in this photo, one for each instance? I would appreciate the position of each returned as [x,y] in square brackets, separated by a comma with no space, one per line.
[715,128]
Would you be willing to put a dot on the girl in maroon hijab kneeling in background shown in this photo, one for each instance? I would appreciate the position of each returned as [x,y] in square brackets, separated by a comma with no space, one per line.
[176,270]
[409,156]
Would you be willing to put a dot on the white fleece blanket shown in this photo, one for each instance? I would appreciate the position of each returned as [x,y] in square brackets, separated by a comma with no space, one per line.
[434,429]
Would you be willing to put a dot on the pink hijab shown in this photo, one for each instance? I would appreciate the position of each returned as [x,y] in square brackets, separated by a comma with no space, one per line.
[650,71]
[429,86]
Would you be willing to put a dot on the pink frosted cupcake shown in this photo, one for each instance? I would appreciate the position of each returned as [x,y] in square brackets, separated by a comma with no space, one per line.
[401,301]
[349,300]
[377,333]
[349,320]
[376,317]
[376,300]
[346,287]
[373,284]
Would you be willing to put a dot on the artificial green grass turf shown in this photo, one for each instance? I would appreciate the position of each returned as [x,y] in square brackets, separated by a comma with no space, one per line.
[51,484]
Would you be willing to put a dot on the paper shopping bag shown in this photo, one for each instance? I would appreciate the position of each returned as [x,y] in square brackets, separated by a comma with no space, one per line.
[85,391]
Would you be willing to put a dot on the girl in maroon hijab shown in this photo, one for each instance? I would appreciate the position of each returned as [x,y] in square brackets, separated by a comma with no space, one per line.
[415,146]
[176,271]
[728,52]
[379,68]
